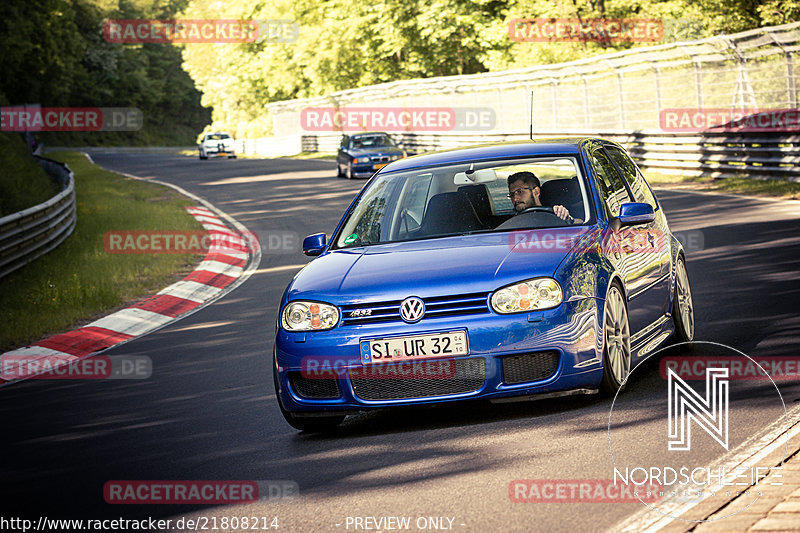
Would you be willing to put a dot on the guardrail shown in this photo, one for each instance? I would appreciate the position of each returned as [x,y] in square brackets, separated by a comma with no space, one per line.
[29,233]
[757,154]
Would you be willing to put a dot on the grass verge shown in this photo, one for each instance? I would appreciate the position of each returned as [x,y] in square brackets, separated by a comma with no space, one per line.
[776,188]
[23,183]
[79,281]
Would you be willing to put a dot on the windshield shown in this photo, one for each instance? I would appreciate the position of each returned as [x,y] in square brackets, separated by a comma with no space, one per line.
[371,141]
[217,136]
[444,201]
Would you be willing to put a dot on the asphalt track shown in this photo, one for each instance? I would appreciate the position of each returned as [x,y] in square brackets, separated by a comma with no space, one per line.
[209,412]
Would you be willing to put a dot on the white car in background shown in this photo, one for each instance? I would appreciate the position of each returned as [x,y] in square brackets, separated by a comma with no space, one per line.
[219,144]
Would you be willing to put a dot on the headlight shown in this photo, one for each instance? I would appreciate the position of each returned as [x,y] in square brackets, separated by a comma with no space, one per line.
[309,316]
[396,157]
[530,295]
[362,160]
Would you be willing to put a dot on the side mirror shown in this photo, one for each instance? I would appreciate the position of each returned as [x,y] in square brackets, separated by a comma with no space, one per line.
[633,213]
[314,244]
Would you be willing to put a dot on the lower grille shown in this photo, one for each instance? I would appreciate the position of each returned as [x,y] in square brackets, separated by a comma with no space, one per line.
[529,367]
[469,375]
[314,387]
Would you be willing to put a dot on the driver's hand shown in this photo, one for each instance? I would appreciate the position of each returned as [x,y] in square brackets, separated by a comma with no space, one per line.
[561,212]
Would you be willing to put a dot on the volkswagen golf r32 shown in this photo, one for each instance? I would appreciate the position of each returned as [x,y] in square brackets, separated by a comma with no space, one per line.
[437,287]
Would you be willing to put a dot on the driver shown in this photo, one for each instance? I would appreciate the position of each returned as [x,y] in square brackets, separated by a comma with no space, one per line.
[524,190]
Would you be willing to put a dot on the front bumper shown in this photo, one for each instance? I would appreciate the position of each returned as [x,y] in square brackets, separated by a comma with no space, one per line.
[217,152]
[558,349]
[364,171]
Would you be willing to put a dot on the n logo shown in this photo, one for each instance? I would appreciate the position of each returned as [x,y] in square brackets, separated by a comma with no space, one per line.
[685,405]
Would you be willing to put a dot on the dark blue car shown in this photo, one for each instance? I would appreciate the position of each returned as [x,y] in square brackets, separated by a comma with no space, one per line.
[433,288]
[362,154]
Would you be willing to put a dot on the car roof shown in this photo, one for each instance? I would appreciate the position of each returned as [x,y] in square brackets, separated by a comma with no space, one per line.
[503,150]
[368,133]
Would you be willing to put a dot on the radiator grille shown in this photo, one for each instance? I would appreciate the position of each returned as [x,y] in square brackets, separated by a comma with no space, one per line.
[469,376]
[462,304]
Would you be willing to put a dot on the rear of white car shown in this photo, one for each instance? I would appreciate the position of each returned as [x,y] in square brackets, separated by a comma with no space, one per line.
[216,145]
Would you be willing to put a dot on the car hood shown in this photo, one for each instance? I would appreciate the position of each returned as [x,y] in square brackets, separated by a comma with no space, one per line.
[433,267]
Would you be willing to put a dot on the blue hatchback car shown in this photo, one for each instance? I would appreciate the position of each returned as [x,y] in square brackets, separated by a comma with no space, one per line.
[439,285]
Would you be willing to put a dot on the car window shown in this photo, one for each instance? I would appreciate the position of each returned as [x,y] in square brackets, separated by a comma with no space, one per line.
[611,187]
[641,191]
[365,223]
[500,202]
[414,202]
[441,201]
[372,141]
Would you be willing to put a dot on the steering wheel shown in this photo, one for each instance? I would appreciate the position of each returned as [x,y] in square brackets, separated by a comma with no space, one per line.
[545,211]
[540,208]
[536,216]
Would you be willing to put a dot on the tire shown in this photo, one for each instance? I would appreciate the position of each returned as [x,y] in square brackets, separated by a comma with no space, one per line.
[348,173]
[202,157]
[232,157]
[312,424]
[682,304]
[616,343]
[339,172]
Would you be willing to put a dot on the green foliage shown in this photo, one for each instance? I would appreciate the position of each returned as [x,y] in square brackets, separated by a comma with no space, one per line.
[344,44]
[55,55]
[23,183]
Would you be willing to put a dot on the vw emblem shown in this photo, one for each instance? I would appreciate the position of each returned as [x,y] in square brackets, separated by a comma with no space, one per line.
[412,309]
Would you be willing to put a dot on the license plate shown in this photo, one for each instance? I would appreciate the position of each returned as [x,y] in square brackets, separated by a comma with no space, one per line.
[414,347]
[378,167]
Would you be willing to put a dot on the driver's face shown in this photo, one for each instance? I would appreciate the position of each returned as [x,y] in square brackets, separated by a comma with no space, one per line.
[522,196]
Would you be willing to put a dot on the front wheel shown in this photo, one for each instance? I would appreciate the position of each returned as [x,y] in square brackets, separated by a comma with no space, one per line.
[617,343]
[348,173]
[682,305]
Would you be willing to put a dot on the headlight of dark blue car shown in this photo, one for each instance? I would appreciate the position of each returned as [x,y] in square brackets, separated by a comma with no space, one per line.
[534,294]
[309,316]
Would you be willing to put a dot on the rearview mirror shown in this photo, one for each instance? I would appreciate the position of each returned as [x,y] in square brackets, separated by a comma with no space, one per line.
[632,214]
[486,175]
[314,244]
